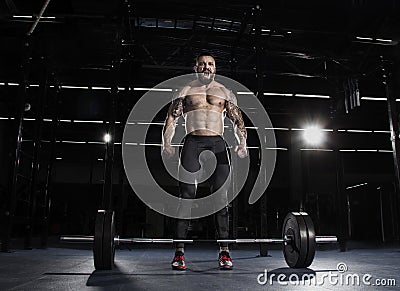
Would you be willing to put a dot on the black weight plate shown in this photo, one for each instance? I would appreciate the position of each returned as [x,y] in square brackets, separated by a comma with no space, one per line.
[295,252]
[98,240]
[108,241]
[311,239]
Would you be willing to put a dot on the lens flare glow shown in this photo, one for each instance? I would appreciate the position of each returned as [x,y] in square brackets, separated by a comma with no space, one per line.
[107,137]
[313,135]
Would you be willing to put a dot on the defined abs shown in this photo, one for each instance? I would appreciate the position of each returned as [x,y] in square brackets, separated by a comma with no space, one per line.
[204,122]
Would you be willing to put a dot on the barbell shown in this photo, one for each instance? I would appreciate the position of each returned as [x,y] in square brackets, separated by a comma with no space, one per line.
[298,239]
[118,240]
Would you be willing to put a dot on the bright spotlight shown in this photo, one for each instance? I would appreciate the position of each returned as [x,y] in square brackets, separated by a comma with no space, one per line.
[107,137]
[313,135]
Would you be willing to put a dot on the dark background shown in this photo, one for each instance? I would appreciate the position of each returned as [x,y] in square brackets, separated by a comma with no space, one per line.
[274,47]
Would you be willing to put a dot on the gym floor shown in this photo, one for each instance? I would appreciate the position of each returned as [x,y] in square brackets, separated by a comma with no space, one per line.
[148,268]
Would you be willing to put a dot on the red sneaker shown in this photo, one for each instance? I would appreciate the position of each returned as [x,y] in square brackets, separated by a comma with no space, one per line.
[178,263]
[225,261]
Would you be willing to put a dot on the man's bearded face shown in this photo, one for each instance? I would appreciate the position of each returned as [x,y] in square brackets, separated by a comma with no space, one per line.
[205,69]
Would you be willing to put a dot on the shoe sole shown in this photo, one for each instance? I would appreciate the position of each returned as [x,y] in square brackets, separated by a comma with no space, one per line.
[226,267]
[179,268]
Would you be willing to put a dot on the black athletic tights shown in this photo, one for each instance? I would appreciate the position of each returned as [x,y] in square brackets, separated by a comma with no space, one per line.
[193,146]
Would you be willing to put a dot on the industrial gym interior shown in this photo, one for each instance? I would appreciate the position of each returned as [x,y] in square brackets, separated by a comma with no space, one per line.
[327,74]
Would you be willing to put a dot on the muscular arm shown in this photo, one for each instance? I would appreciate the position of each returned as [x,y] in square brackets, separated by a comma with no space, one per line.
[174,112]
[235,115]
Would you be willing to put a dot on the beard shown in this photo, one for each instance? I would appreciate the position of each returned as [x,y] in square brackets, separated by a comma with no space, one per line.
[205,77]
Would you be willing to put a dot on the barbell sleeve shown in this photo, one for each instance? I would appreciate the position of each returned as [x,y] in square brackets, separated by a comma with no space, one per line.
[77,239]
[325,239]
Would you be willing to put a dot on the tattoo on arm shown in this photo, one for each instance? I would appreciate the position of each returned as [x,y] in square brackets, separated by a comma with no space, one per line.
[174,112]
[177,107]
[235,115]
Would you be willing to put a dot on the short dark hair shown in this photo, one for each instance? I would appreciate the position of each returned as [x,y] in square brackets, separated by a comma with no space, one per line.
[202,54]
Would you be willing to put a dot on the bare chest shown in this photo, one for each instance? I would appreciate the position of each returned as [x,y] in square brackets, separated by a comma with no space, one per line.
[205,98]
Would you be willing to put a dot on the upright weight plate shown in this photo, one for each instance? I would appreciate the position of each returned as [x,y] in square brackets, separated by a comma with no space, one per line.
[311,239]
[108,241]
[295,251]
[98,240]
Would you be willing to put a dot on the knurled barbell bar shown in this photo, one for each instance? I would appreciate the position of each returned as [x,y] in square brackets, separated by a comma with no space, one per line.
[118,240]
[298,239]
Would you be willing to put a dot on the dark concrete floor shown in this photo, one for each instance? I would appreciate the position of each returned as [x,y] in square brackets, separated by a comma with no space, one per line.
[149,269]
